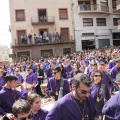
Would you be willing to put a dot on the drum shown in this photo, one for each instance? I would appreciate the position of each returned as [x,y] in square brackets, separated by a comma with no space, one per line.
[43,88]
[19,88]
[48,106]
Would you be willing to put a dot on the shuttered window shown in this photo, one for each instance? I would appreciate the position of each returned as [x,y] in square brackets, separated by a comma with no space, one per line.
[65,34]
[115,21]
[87,22]
[114,4]
[20,15]
[63,14]
[101,21]
[104,3]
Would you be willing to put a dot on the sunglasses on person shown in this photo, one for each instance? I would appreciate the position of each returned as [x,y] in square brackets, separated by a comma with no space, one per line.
[84,92]
[97,75]
[25,118]
[28,70]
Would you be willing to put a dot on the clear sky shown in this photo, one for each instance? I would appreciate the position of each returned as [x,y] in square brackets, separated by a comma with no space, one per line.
[5,35]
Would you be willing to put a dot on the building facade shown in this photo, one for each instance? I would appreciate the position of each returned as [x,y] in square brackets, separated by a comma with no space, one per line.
[41,28]
[118,8]
[96,23]
[4,55]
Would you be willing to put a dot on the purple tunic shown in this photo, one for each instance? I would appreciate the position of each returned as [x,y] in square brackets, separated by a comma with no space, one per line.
[114,72]
[31,78]
[69,71]
[2,81]
[112,108]
[40,115]
[68,68]
[89,71]
[49,73]
[8,97]
[111,64]
[97,91]
[66,109]
[10,71]
[0,87]
[20,79]
[53,84]
[107,82]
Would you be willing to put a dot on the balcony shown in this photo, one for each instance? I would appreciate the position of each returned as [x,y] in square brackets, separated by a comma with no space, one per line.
[42,20]
[88,8]
[104,9]
[115,11]
[41,44]
[92,8]
[118,4]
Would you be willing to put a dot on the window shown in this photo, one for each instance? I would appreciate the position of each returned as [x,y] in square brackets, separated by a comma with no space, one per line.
[104,3]
[116,35]
[42,15]
[101,21]
[20,15]
[115,21]
[47,53]
[7,51]
[3,51]
[6,58]
[63,14]
[114,4]
[87,22]
[65,34]
[87,34]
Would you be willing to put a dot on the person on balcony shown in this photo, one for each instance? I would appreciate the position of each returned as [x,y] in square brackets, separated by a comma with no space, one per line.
[35,38]
[41,38]
[56,37]
[53,37]
[22,39]
[30,38]
[50,37]
[25,39]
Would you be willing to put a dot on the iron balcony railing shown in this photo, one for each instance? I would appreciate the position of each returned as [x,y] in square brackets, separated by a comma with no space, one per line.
[43,20]
[88,7]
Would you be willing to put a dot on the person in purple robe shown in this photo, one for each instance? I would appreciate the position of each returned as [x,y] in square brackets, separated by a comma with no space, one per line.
[21,110]
[105,80]
[78,105]
[99,92]
[111,63]
[111,109]
[20,78]
[0,87]
[92,67]
[2,78]
[37,112]
[63,73]
[68,69]
[49,70]
[10,70]
[55,83]
[31,79]
[116,69]
[8,95]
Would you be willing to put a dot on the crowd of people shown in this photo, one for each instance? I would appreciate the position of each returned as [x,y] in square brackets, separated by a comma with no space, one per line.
[81,83]
[43,38]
